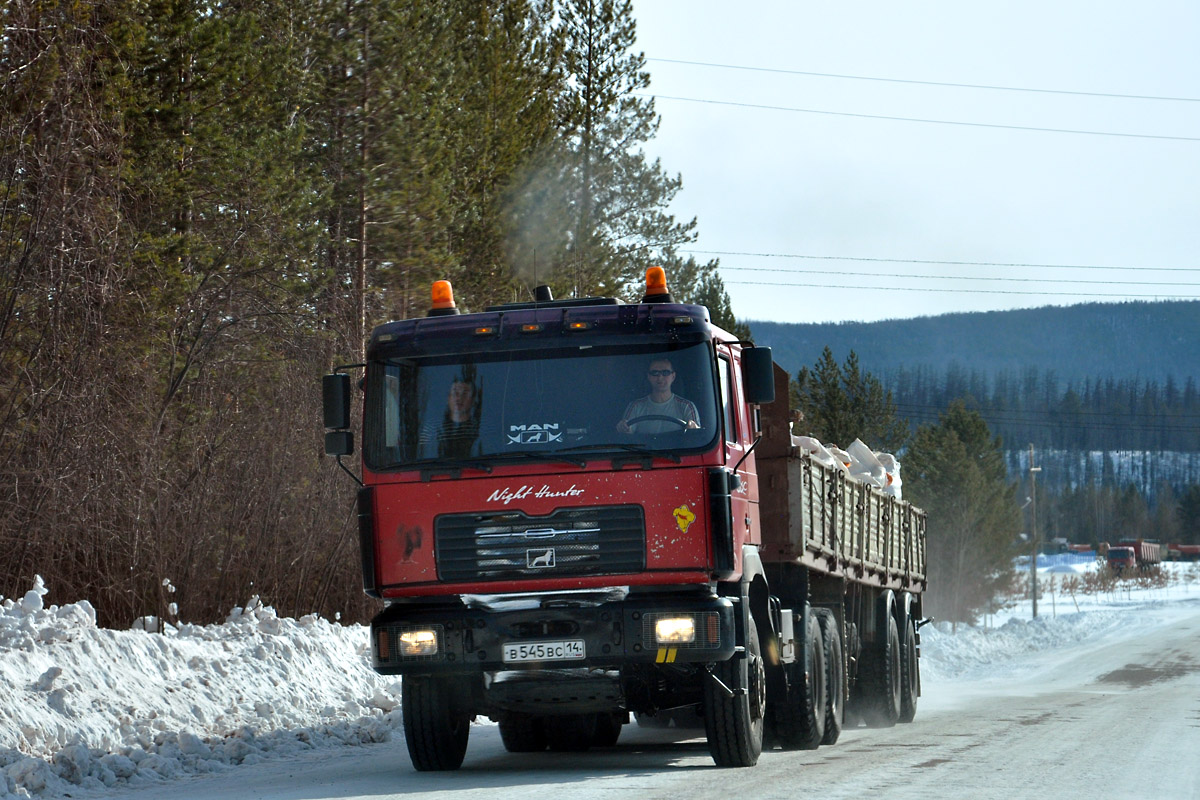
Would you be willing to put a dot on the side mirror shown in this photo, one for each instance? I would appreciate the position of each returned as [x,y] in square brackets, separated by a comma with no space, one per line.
[758,375]
[339,443]
[335,394]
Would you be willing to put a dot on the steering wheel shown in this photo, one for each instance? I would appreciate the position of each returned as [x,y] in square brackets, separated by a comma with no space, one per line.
[683,423]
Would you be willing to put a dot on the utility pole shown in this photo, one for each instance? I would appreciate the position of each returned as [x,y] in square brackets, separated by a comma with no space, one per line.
[1033,535]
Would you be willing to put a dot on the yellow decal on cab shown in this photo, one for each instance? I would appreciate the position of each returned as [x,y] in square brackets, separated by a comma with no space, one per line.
[684,517]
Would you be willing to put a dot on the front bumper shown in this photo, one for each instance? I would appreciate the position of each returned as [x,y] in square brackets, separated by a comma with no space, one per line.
[472,639]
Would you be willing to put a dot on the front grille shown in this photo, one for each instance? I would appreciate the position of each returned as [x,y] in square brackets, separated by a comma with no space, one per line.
[511,545]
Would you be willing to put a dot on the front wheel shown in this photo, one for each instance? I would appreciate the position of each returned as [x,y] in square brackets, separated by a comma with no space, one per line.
[734,724]
[435,725]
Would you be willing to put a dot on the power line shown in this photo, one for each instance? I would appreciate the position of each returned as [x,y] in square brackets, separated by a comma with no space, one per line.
[933,261]
[920,119]
[927,83]
[953,277]
[965,291]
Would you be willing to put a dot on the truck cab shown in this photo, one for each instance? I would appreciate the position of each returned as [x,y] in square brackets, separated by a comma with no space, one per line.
[1121,558]
[556,545]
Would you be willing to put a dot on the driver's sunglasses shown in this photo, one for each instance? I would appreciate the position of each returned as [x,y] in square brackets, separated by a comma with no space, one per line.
[660,373]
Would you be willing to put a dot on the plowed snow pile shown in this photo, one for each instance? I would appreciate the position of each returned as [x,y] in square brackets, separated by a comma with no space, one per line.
[82,706]
[86,708]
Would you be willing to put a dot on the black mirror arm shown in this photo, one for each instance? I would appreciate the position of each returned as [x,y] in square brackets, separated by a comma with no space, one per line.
[346,469]
[749,450]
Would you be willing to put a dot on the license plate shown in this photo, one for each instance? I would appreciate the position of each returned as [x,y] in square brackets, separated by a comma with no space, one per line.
[571,650]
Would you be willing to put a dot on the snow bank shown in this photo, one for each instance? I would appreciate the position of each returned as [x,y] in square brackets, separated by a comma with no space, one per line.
[971,650]
[1064,621]
[86,707]
[83,708]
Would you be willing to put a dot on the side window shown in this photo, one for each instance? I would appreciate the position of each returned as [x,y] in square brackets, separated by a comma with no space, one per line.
[725,368]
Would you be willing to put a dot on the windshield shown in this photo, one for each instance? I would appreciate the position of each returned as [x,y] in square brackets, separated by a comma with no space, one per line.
[579,402]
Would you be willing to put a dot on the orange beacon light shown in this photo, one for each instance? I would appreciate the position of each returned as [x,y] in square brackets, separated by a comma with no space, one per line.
[443,299]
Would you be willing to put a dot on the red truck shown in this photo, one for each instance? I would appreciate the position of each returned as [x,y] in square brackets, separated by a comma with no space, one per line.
[1130,553]
[558,546]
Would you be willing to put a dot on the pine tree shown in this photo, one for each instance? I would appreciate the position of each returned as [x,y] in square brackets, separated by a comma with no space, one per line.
[844,403]
[507,83]
[955,471]
[618,223]
[1188,514]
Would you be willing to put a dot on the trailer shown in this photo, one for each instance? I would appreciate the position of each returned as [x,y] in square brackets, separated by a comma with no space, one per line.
[575,511]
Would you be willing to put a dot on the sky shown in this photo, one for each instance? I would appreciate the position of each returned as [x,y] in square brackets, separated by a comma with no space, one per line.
[869,202]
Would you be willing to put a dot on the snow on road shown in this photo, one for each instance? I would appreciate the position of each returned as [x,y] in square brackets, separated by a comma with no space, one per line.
[106,711]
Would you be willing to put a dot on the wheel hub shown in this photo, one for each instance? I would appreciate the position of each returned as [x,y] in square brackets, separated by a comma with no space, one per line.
[758,686]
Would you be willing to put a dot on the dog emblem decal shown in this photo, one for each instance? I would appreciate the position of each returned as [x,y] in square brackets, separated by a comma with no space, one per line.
[540,558]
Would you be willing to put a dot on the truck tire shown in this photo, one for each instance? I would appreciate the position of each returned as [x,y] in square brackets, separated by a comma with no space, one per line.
[835,671]
[734,725]
[608,729]
[798,721]
[435,726]
[910,674]
[880,707]
[571,733]
[523,733]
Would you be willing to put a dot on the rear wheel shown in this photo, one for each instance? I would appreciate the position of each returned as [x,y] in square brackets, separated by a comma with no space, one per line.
[608,729]
[523,733]
[880,705]
[835,671]
[572,733]
[734,725]
[798,721]
[435,726]
[910,674]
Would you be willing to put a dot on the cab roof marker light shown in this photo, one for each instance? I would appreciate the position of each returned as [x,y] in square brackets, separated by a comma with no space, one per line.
[578,326]
[387,337]
[681,320]
[443,299]
[485,330]
[532,327]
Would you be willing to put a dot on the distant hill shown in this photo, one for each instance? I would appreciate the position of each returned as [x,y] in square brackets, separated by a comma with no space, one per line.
[1094,340]
[1108,393]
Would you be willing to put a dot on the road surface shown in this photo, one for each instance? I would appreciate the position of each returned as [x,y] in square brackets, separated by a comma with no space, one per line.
[1108,720]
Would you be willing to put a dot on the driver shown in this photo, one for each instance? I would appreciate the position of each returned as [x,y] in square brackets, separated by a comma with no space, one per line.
[659,403]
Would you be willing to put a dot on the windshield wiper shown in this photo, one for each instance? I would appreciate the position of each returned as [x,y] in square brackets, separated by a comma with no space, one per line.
[549,455]
[639,449]
[451,467]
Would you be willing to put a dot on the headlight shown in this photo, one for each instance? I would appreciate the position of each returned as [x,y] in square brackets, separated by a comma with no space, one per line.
[675,630]
[418,643]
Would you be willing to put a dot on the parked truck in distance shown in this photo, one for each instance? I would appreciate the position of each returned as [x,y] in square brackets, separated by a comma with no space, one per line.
[1129,554]
[578,510]
[1183,552]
